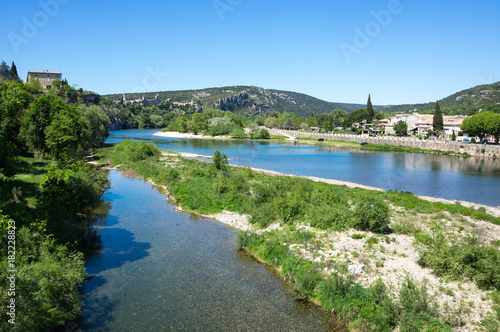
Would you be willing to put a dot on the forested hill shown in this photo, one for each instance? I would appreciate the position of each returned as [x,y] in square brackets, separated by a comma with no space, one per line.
[467,101]
[248,99]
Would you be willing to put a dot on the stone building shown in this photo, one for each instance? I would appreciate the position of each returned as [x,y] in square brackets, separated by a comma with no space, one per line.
[45,77]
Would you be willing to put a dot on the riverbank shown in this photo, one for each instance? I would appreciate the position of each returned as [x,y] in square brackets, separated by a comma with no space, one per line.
[173,134]
[290,226]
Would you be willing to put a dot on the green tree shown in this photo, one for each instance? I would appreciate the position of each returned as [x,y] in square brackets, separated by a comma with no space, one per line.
[144,120]
[264,134]
[493,127]
[4,71]
[477,124]
[401,128]
[57,83]
[97,124]
[14,100]
[220,161]
[8,161]
[288,122]
[453,136]
[48,280]
[369,110]
[271,122]
[66,135]
[253,129]
[38,118]
[437,119]
[13,73]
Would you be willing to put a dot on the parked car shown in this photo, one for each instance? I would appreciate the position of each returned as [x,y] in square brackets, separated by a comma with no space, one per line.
[466,140]
[363,143]
[321,139]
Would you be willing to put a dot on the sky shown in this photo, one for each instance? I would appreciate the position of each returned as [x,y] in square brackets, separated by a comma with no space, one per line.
[399,51]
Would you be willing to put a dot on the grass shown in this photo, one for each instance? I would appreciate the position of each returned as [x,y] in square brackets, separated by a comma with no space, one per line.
[408,149]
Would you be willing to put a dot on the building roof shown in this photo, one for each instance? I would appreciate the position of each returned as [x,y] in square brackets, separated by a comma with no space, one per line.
[43,72]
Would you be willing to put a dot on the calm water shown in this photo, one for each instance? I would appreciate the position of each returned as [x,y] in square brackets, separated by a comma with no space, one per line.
[469,179]
[159,270]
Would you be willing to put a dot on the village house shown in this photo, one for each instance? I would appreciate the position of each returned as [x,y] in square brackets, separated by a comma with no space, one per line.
[44,77]
[421,124]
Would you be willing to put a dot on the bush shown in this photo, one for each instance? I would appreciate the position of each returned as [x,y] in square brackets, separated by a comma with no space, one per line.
[131,151]
[220,161]
[371,213]
[337,217]
[264,134]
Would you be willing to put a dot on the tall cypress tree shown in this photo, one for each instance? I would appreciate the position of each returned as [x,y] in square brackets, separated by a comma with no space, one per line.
[369,109]
[13,72]
[437,120]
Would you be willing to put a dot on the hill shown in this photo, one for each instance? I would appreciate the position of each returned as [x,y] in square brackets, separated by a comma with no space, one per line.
[467,101]
[248,99]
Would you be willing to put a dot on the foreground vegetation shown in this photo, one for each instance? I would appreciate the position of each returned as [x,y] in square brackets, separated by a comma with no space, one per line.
[45,201]
[310,213]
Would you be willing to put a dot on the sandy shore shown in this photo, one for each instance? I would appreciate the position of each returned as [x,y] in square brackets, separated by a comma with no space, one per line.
[173,134]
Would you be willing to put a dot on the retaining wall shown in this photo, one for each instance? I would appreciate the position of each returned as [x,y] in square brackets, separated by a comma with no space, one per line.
[489,150]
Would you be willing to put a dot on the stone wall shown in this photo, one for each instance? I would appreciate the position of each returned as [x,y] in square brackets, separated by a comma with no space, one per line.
[489,150]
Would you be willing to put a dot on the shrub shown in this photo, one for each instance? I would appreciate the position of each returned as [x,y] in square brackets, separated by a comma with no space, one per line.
[371,213]
[337,217]
[131,151]
[220,161]
[264,134]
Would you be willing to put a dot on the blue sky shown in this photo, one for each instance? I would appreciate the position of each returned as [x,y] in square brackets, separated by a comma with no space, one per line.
[405,51]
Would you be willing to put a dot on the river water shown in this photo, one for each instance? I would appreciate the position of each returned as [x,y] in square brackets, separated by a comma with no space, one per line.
[451,177]
[159,270]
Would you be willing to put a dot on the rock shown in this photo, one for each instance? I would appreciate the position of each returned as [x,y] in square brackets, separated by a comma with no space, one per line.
[321,252]
[355,269]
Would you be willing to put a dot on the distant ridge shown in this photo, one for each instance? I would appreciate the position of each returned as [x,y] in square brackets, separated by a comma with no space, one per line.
[254,100]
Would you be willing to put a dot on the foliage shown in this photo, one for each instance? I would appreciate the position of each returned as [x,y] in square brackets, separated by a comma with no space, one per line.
[437,119]
[401,128]
[371,213]
[220,161]
[461,258]
[369,110]
[38,118]
[483,123]
[131,151]
[264,134]
[47,283]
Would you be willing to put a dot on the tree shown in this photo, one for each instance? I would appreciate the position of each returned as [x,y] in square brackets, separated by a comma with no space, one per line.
[253,129]
[220,161]
[401,128]
[13,73]
[4,71]
[264,134]
[477,124]
[57,83]
[493,126]
[66,135]
[369,110]
[8,161]
[453,136]
[271,122]
[97,124]
[288,122]
[437,120]
[38,118]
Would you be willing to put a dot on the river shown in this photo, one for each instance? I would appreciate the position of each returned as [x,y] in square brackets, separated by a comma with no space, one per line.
[159,270]
[457,178]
